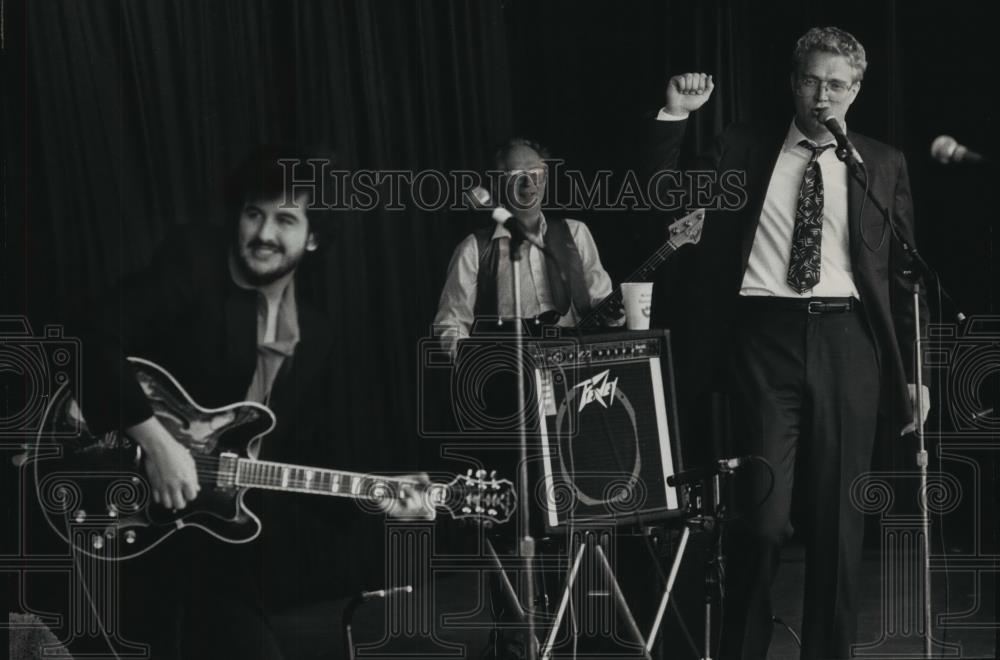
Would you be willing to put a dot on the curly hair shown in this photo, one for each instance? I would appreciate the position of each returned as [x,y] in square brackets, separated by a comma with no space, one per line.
[830,40]
[261,175]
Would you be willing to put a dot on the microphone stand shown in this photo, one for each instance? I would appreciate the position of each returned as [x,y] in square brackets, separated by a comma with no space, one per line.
[920,268]
[526,544]
[347,618]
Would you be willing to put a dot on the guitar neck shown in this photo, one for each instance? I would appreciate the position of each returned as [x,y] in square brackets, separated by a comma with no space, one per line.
[642,274]
[318,481]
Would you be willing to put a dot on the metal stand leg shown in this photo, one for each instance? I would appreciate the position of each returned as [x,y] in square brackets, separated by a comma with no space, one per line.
[658,621]
[574,570]
[715,564]
[564,601]
[922,464]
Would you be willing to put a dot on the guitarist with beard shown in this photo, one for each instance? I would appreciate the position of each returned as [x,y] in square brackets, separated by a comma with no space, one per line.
[221,312]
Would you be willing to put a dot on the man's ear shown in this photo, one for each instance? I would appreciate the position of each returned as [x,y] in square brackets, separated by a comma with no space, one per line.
[312,242]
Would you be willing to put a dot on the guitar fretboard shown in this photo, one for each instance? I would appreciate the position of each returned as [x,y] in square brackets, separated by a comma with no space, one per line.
[301,479]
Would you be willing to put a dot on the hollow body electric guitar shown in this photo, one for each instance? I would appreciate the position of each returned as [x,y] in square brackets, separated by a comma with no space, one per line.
[94,493]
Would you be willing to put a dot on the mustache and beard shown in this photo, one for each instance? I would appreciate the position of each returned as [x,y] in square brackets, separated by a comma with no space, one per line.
[259,271]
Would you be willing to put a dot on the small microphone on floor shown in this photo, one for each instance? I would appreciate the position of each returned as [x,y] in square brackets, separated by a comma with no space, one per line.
[386,593]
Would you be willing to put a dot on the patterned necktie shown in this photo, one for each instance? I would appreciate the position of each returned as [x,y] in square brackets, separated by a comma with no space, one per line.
[807,234]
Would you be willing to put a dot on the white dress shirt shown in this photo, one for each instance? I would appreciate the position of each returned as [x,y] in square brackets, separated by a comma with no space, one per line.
[767,268]
[456,307]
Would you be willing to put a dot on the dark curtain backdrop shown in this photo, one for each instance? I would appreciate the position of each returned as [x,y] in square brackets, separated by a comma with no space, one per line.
[136,112]
[122,119]
[587,74]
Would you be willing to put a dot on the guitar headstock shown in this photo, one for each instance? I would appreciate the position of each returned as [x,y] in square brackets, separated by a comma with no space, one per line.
[687,229]
[478,496]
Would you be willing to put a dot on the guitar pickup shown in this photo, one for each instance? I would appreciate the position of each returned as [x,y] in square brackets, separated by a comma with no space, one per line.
[226,475]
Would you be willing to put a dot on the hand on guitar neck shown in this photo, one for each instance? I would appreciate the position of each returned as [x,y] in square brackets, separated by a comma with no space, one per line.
[411,502]
[204,460]
[173,477]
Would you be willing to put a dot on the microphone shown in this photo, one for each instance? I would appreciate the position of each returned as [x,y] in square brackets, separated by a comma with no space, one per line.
[722,466]
[385,593]
[845,150]
[727,465]
[480,199]
[946,150]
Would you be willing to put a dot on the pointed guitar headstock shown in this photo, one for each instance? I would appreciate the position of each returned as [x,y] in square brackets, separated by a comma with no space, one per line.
[687,229]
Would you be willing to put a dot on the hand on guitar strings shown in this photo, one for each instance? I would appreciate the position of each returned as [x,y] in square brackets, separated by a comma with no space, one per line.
[412,501]
[612,311]
[173,477]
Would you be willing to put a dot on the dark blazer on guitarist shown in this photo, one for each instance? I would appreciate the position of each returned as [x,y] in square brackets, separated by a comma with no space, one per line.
[877,261]
[185,313]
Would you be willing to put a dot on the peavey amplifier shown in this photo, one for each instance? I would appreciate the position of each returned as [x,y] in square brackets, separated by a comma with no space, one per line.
[608,430]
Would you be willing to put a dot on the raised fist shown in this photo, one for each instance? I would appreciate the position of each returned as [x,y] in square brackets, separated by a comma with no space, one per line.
[687,92]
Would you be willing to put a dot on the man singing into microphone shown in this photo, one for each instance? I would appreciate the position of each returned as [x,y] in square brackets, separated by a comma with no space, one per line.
[805,283]
[479,277]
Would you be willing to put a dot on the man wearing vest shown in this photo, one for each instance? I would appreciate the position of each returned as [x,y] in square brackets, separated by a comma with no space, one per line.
[479,277]
[479,285]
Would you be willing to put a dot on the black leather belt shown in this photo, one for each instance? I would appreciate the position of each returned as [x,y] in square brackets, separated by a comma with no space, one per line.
[808,305]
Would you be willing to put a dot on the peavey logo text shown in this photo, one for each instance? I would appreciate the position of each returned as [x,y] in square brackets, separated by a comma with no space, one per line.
[598,389]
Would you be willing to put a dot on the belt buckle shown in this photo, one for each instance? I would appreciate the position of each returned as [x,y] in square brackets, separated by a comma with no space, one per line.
[818,309]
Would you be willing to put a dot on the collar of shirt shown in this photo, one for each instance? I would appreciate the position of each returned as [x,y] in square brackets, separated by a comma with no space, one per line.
[286,334]
[502,232]
[795,136]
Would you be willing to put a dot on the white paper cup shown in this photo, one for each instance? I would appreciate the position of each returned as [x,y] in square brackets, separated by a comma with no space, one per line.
[638,299]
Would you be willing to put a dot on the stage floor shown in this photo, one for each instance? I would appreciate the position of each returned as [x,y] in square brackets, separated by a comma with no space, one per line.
[964,607]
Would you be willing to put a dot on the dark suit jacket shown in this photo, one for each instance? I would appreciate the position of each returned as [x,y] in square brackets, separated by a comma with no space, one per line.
[185,313]
[877,260]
